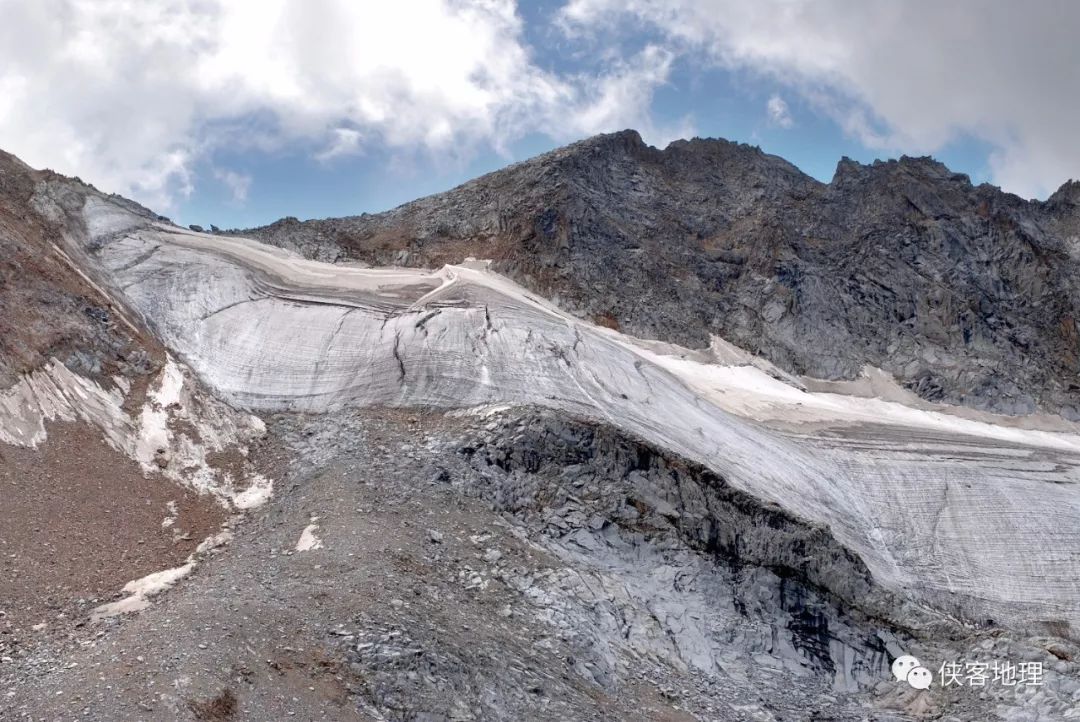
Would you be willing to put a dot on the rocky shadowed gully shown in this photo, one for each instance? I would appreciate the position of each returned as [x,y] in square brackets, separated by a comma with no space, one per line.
[614,433]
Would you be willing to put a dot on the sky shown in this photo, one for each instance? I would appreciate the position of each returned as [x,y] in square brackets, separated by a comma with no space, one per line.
[239,112]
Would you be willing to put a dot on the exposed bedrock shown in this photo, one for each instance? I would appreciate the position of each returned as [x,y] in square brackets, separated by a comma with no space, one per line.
[585,565]
[725,575]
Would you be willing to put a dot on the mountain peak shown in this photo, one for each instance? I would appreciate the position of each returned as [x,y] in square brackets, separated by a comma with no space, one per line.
[1067,195]
[925,163]
[925,168]
[627,137]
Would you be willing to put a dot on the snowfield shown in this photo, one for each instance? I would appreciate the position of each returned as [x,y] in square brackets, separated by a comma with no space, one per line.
[955,516]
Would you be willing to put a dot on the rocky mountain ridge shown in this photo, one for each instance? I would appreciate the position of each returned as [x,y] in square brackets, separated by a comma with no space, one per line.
[966,294]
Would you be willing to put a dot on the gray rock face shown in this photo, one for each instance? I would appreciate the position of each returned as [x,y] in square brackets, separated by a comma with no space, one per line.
[725,575]
[618,589]
[966,294]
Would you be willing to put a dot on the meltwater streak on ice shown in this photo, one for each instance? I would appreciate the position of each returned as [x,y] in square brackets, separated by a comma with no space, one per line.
[942,510]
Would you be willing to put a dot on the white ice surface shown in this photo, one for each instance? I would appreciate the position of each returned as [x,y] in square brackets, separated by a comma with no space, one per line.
[967,516]
[53,393]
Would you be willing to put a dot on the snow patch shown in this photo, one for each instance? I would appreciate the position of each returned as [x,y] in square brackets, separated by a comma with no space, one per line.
[172,516]
[154,420]
[139,592]
[483,411]
[749,391]
[309,539]
[55,393]
[258,493]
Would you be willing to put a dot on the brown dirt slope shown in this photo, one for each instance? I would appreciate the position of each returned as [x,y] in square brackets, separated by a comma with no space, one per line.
[79,520]
[47,308]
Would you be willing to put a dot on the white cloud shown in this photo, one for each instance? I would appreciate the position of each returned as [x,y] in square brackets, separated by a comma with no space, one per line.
[343,142]
[777,111]
[237,183]
[900,76]
[131,94]
[622,99]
